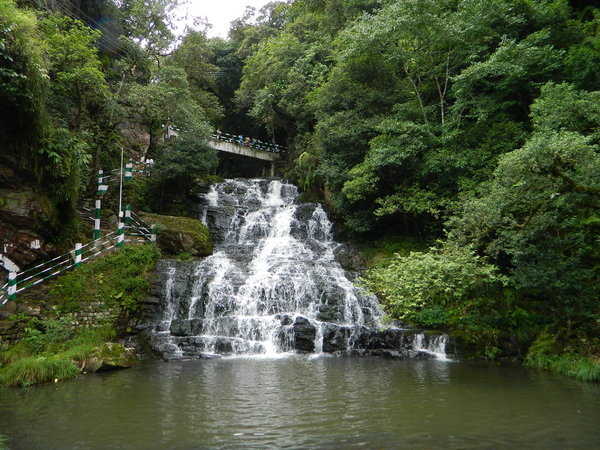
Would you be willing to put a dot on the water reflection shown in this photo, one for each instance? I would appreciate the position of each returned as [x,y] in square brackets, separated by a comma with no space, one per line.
[305,402]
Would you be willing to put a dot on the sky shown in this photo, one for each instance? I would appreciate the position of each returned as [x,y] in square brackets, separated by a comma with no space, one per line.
[219,13]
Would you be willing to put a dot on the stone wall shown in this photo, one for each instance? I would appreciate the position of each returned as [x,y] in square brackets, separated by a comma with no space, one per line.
[15,316]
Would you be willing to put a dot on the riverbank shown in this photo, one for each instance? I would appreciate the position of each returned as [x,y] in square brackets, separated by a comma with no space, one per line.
[75,324]
[452,290]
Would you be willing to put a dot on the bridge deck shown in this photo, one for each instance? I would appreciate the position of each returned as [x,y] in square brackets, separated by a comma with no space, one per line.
[243,150]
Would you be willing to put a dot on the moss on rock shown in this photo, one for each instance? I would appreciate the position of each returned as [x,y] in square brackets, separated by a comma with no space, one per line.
[177,235]
[110,356]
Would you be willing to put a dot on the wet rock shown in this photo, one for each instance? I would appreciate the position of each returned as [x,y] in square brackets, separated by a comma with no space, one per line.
[304,335]
[379,339]
[336,338]
[30,310]
[224,345]
[420,354]
[349,258]
[329,313]
[285,319]
[186,327]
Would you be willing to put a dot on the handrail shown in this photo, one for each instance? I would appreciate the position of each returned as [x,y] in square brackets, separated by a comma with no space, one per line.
[246,141]
[90,250]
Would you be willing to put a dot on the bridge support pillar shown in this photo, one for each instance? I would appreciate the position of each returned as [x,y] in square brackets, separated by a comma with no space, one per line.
[272,171]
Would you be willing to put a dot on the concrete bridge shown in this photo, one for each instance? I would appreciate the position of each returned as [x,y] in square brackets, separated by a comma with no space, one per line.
[243,150]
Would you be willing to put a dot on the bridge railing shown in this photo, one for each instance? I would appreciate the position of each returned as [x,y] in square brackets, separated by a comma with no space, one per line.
[246,141]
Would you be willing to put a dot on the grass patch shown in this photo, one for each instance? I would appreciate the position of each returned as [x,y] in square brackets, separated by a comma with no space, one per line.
[41,356]
[569,364]
[117,280]
[557,351]
[38,369]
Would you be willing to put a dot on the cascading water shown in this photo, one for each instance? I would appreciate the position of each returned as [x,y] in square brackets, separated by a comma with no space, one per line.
[273,284]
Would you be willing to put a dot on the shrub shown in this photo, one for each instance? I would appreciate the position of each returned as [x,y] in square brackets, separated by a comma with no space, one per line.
[421,284]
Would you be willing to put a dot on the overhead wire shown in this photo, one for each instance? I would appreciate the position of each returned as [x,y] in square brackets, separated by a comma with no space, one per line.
[92,21]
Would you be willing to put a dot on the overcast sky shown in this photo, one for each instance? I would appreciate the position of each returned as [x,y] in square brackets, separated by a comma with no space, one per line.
[219,12]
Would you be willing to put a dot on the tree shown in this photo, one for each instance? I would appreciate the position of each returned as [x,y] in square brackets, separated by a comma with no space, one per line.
[422,99]
[197,58]
[537,218]
[23,82]
[78,83]
[148,23]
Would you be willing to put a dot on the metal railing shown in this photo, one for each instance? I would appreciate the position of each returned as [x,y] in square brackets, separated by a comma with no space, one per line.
[246,141]
[21,281]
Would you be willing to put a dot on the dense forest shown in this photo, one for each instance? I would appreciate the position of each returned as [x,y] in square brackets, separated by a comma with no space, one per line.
[457,140]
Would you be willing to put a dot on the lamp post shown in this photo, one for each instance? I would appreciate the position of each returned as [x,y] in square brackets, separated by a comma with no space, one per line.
[121,186]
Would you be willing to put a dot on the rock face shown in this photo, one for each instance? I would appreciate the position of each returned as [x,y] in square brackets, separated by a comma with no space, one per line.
[25,215]
[273,285]
[177,235]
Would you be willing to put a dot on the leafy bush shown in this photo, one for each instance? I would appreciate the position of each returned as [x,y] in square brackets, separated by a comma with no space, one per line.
[413,287]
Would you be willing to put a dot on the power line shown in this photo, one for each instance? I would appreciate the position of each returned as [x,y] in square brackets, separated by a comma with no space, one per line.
[104,31]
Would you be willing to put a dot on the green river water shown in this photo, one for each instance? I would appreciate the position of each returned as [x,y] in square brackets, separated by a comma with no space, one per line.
[305,402]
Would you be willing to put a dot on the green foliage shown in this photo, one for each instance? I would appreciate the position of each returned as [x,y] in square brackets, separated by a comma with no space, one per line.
[148,23]
[184,257]
[196,56]
[535,219]
[117,279]
[65,158]
[440,278]
[74,71]
[547,353]
[38,369]
[380,251]
[23,82]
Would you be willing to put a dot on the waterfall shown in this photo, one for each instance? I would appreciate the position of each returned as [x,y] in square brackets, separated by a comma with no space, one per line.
[273,284]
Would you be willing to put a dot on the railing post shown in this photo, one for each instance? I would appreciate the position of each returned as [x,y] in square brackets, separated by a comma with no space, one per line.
[129,170]
[121,235]
[12,286]
[102,188]
[152,233]
[97,220]
[127,209]
[78,254]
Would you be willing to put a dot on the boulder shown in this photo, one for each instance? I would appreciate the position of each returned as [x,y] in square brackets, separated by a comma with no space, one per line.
[110,356]
[176,235]
[336,337]
[25,216]
[349,258]
[304,335]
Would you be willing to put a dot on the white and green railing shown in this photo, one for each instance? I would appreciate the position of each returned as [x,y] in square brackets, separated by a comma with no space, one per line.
[131,228]
[82,253]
